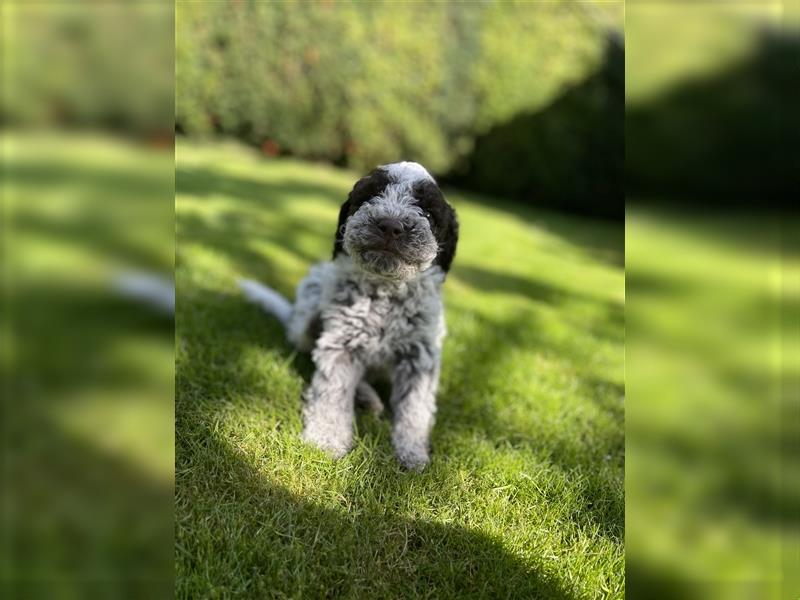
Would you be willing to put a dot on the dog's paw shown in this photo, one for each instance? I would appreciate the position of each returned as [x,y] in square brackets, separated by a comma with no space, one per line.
[414,456]
[336,446]
[368,399]
[414,461]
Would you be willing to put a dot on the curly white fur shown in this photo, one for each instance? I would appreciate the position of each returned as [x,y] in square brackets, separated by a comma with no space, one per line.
[370,325]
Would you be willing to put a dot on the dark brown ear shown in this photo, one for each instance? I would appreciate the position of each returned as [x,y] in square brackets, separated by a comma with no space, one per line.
[338,244]
[365,189]
[448,240]
[444,224]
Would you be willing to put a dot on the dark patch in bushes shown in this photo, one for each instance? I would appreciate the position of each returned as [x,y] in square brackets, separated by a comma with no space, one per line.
[366,84]
[569,156]
[727,140]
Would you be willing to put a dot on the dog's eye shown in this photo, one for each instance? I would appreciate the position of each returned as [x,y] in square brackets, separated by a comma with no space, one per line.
[427,215]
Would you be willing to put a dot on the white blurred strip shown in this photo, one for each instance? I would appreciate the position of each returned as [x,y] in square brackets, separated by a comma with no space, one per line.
[150,288]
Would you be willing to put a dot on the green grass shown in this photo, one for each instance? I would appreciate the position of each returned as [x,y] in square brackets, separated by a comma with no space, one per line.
[87,436]
[524,493]
[711,420]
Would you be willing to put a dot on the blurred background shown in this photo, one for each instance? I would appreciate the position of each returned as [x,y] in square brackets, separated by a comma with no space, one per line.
[86,108]
[519,100]
[710,161]
[711,143]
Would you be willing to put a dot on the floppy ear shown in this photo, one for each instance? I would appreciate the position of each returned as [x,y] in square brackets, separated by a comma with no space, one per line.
[448,241]
[365,188]
[338,244]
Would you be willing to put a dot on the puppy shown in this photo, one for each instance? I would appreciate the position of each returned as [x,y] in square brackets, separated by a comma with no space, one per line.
[375,310]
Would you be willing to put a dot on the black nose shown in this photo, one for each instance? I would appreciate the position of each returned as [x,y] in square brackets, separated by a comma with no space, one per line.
[390,227]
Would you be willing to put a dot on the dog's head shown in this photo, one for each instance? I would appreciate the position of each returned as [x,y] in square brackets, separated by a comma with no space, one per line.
[396,223]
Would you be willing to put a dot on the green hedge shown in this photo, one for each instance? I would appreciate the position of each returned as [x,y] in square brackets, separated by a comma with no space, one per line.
[728,139]
[82,65]
[367,83]
[569,155]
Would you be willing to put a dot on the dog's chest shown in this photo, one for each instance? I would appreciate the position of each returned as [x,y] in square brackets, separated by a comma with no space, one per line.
[381,325]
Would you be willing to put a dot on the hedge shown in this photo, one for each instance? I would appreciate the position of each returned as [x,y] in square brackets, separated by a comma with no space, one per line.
[361,84]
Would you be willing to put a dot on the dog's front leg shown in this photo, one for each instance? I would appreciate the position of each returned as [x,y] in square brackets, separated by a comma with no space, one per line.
[414,407]
[328,410]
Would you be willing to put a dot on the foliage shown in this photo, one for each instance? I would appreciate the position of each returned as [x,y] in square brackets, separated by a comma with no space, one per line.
[568,156]
[524,495]
[78,65]
[728,139]
[367,83]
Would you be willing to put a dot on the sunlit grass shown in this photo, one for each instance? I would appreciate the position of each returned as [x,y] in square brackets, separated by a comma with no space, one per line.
[524,495]
[707,487]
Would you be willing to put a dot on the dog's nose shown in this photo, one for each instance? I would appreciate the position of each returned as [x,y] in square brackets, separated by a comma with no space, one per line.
[390,227]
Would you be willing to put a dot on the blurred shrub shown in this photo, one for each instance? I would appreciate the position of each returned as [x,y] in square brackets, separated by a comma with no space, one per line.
[66,64]
[569,156]
[712,113]
[367,83]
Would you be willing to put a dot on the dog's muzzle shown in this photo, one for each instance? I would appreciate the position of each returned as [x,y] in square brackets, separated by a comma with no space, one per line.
[389,246]
[391,229]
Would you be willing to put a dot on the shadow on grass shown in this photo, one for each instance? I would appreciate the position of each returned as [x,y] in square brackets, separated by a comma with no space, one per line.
[88,179]
[55,358]
[94,210]
[233,235]
[578,447]
[88,509]
[278,542]
[493,342]
[270,195]
[602,240]
[96,236]
[488,281]
[82,519]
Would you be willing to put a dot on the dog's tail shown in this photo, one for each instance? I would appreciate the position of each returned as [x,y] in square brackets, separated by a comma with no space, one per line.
[268,299]
[147,288]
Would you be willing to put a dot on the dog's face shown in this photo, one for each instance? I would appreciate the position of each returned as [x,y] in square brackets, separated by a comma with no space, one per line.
[396,223]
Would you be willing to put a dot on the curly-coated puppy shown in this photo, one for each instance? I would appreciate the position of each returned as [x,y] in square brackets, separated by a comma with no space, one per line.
[375,309]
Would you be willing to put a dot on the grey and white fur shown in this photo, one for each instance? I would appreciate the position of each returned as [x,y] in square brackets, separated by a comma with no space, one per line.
[375,310]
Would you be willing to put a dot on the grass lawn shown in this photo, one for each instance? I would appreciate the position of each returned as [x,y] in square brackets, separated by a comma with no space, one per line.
[87,435]
[524,495]
[711,421]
